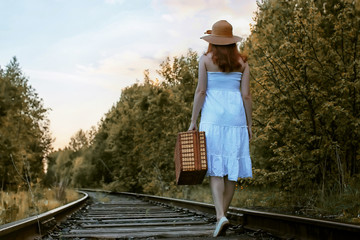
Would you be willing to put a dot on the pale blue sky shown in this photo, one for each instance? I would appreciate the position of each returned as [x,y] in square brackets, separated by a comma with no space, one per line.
[79,54]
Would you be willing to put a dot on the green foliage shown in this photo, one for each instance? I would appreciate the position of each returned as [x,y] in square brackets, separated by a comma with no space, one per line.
[71,166]
[132,149]
[135,142]
[24,129]
[305,61]
[78,141]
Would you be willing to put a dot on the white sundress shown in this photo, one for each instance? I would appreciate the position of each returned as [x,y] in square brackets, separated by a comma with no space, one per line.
[224,121]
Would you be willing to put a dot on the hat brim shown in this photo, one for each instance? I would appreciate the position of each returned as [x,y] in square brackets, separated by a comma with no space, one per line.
[220,40]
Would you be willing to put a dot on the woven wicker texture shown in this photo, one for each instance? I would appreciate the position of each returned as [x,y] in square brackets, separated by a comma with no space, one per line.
[190,158]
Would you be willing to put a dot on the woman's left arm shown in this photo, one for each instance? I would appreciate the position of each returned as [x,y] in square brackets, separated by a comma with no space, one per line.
[200,93]
[246,96]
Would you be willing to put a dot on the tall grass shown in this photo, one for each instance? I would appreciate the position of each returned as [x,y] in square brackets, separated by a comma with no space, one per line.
[18,205]
[334,206]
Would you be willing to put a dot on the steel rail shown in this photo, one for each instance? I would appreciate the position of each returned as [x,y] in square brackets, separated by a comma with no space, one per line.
[28,228]
[280,225]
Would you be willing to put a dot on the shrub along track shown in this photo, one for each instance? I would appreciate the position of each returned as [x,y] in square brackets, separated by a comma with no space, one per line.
[128,215]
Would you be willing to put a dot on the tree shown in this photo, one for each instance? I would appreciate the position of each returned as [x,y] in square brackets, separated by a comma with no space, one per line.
[305,59]
[133,147]
[24,129]
[79,140]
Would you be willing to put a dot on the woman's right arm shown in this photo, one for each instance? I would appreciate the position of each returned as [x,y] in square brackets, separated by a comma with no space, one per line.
[246,96]
[200,93]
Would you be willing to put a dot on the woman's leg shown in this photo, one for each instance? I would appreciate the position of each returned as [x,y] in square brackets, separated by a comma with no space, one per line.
[229,189]
[218,189]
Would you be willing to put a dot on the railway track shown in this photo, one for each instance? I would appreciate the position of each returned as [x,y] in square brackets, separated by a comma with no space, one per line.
[129,215]
[34,227]
[125,216]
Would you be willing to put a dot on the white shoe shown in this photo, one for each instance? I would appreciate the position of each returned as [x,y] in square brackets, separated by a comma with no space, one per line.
[220,226]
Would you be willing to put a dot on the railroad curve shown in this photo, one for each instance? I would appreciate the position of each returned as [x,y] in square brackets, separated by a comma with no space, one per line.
[108,215]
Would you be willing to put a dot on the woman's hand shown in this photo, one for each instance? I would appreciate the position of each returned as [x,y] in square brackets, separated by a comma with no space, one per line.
[192,127]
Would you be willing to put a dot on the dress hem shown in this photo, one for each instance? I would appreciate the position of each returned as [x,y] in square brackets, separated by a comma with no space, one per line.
[230,179]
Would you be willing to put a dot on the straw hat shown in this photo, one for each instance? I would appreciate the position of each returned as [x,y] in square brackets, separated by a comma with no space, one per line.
[221,34]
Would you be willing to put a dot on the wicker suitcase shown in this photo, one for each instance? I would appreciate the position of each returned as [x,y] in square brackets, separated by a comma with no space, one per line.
[190,158]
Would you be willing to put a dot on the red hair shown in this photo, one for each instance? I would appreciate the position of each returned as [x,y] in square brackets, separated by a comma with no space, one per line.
[226,57]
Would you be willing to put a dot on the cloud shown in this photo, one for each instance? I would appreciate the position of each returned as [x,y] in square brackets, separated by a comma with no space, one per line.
[114,1]
[127,45]
[203,13]
[78,100]
[127,67]
[185,8]
[190,8]
[168,17]
[80,73]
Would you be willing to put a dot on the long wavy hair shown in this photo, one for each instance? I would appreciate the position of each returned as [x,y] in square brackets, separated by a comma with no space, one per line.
[226,57]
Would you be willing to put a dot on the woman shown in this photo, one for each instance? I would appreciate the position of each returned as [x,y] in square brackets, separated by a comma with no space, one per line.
[223,95]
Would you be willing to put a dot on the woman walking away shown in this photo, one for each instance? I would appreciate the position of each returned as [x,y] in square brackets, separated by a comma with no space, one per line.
[223,95]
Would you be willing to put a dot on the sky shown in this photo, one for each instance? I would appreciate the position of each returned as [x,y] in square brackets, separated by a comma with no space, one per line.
[80,54]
